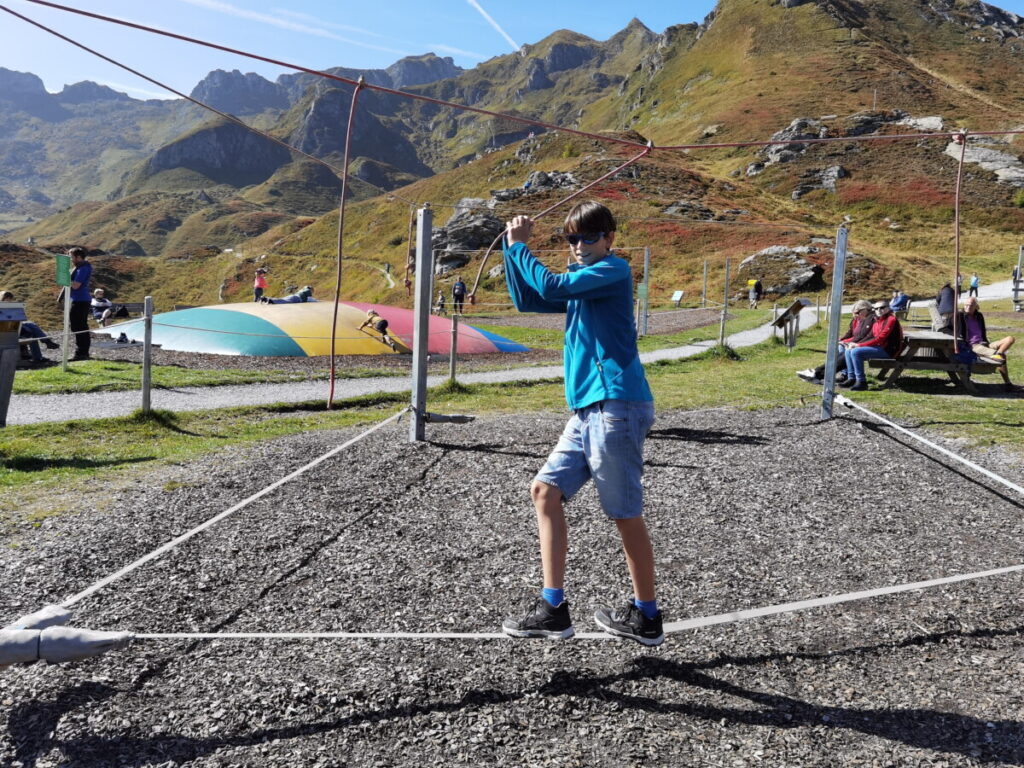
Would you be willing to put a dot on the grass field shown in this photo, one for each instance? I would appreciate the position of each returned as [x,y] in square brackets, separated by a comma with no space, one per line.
[41,466]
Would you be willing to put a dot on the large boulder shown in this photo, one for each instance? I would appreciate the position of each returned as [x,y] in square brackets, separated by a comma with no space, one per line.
[820,179]
[472,227]
[784,269]
[1007,167]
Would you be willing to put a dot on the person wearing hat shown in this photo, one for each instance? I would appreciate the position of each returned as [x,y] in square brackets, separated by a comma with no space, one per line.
[886,340]
[259,284]
[379,324]
[860,329]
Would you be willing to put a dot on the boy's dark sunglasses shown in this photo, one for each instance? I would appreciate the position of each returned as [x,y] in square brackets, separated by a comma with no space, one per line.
[589,239]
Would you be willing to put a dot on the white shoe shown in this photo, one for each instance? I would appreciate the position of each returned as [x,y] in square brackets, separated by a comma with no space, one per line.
[808,375]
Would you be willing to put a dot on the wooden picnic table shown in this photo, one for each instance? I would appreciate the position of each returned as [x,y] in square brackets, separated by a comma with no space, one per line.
[929,351]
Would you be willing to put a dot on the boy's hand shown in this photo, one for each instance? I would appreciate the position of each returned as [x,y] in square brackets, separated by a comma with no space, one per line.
[519,229]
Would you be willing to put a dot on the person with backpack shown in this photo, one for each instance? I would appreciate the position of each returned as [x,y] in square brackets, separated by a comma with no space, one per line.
[458,295]
[886,340]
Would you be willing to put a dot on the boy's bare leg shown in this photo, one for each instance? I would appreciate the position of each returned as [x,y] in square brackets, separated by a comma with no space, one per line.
[639,556]
[552,531]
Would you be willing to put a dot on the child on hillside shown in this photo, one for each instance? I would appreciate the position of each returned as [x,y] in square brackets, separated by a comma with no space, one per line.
[613,410]
[259,284]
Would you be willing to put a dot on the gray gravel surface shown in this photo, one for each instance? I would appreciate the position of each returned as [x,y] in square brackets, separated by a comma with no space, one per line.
[746,509]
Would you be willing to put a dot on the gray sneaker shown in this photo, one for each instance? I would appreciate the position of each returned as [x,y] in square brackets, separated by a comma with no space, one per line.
[630,622]
[542,620]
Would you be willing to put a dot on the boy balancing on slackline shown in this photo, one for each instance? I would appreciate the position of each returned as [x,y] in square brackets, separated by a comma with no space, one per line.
[612,409]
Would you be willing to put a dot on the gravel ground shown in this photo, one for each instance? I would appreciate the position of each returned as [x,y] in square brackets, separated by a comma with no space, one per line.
[746,509]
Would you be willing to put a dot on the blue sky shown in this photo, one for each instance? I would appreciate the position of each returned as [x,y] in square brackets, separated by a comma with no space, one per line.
[314,33]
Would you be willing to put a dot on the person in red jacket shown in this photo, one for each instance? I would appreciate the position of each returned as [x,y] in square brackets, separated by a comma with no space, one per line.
[886,340]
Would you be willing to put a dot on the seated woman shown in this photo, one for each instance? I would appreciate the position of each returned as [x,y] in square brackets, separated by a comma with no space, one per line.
[32,331]
[306,294]
[971,330]
[860,329]
[886,340]
[102,307]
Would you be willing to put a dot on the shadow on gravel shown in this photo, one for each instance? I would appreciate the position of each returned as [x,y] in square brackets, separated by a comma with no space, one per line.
[493,448]
[39,463]
[955,469]
[32,725]
[709,436]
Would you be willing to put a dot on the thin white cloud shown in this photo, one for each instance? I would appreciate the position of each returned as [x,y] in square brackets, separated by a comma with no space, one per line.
[321,22]
[131,89]
[265,18]
[493,23]
[457,51]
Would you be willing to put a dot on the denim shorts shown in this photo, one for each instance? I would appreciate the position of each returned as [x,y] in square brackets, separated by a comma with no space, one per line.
[603,442]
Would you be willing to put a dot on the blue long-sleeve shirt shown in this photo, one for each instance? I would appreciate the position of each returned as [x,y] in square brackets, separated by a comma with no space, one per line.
[601,358]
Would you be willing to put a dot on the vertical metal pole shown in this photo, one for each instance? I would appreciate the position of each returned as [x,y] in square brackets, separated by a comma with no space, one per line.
[775,316]
[828,392]
[725,306]
[636,317]
[645,309]
[147,352]
[421,323]
[704,291]
[1017,282]
[455,347]
[66,341]
[8,364]
[817,310]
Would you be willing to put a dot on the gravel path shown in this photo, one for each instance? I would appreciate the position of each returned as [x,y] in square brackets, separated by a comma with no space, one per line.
[33,409]
[440,536]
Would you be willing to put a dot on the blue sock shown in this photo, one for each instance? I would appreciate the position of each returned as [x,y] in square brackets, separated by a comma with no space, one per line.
[553,596]
[648,608]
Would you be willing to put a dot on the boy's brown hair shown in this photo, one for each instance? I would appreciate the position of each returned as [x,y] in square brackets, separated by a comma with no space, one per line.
[589,217]
[77,251]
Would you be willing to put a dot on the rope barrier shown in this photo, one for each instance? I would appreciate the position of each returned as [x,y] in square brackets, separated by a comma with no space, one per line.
[96,587]
[956,457]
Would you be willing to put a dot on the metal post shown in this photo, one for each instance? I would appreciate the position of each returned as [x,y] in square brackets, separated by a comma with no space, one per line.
[817,310]
[421,323]
[725,306]
[775,316]
[646,295]
[147,352]
[704,291]
[66,340]
[1017,304]
[455,347]
[828,392]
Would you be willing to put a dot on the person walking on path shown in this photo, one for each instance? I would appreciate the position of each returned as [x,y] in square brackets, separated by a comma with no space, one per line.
[81,302]
[613,409]
[458,295]
[259,284]
[972,289]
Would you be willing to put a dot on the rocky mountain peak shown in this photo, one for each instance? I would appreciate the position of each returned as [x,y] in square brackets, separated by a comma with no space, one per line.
[87,92]
[420,70]
[20,83]
[240,94]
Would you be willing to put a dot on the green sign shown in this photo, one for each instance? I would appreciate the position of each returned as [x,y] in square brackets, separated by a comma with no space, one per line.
[63,269]
[641,292]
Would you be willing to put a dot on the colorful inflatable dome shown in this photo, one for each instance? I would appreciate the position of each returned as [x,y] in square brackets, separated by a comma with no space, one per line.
[303,330]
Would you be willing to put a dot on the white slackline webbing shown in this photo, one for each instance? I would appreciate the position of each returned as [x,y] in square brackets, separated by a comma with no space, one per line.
[217,518]
[670,627]
[1012,486]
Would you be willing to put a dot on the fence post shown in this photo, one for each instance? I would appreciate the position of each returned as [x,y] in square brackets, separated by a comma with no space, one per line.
[725,306]
[147,352]
[1018,305]
[646,297]
[66,337]
[455,347]
[704,290]
[421,323]
[828,391]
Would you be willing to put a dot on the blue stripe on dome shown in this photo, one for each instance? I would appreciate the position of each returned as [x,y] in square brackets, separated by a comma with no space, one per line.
[218,332]
[500,342]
